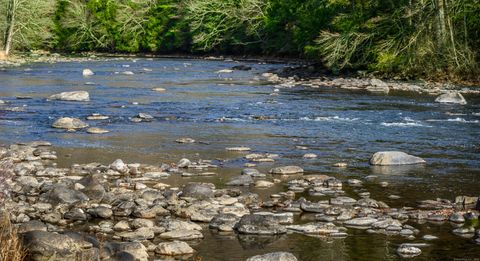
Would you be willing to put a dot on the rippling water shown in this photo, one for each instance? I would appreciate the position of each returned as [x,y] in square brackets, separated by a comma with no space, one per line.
[238,109]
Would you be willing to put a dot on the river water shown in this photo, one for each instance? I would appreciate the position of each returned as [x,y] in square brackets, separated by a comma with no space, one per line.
[240,109]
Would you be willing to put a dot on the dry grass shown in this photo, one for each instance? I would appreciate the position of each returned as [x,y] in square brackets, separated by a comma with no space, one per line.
[11,248]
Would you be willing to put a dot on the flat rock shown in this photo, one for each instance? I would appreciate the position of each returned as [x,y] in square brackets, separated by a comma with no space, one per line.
[259,225]
[385,158]
[243,180]
[95,130]
[71,96]
[286,170]
[182,234]
[174,248]
[69,123]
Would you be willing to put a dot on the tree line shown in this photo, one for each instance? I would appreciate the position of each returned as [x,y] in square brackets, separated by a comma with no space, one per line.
[420,38]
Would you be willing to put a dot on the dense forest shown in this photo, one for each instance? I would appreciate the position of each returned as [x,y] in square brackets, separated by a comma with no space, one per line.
[420,38]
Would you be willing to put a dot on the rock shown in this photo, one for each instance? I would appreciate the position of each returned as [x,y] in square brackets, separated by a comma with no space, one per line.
[71,96]
[243,180]
[185,140]
[340,165]
[385,158]
[95,130]
[135,251]
[310,156]
[174,248]
[259,225]
[457,218]
[172,224]
[197,190]
[315,228]
[429,237]
[378,86]
[263,184]
[360,222]
[465,200]
[119,166]
[224,222]
[121,226]
[286,170]
[225,71]
[408,251]
[182,234]
[145,116]
[60,194]
[250,172]
[158,89]
[242,67]
[97,116]
[32,225]
[184,163]
[44,245]
[140,234]
[275,256]
[87,72]
[69,123]
[451,97]
[101,212]
[238,149]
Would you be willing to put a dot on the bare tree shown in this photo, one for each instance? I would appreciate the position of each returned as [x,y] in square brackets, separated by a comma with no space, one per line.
[26,23]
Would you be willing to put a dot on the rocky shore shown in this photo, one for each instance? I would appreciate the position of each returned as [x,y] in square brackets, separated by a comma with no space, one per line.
[125,211]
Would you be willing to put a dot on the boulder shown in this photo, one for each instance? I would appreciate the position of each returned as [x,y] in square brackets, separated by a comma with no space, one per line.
[124,251]
[259,225]
[69,123]
[87,72]
[451,97]
[44,245]
[275,256]
[197,190]
[61,194]
[386,158]
[71,96]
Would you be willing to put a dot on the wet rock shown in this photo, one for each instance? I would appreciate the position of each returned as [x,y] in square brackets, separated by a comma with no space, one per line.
[184,163]
[224,222]
[286,170]
[224,71]
[318,207]
[360,222]
[44,245]
[97,116]
[429,237]
[95,130]
[385,158]
[185,140]
[259,225]
[451,97]
[134,251]
[310,156]
[159,89]
[69,123]
[378,86]
[242,67]
[238,149]
[182,234]
[408,251]
[174,248]
[243,180]
[263,184]
[252,172]
[87,72]
[71,96]
[315,228]
[197,190]
[457,218]
[275,256]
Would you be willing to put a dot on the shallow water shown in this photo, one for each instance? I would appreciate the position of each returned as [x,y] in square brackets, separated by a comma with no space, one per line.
[223,110]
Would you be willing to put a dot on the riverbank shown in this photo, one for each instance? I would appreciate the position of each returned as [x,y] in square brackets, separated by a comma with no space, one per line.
[129,210]
[299,72]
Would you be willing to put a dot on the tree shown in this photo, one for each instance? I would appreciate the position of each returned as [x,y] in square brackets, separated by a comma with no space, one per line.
[26,24]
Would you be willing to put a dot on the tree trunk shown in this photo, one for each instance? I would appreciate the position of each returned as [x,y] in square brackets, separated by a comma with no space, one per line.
[441,25]
[11,10]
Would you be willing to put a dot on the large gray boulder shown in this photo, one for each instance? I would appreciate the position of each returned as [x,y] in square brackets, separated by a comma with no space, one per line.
[69,123]
[275,256]
[451,97]
[197,190]
[259,225]
[61,194]
[386,158]
[71,96]
[44,246]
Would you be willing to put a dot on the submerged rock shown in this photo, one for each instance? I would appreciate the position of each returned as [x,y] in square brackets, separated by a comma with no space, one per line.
[71,96]
[451,97]
[69,123]
[259,225]
[406,250]
[385,158]
[275,256]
